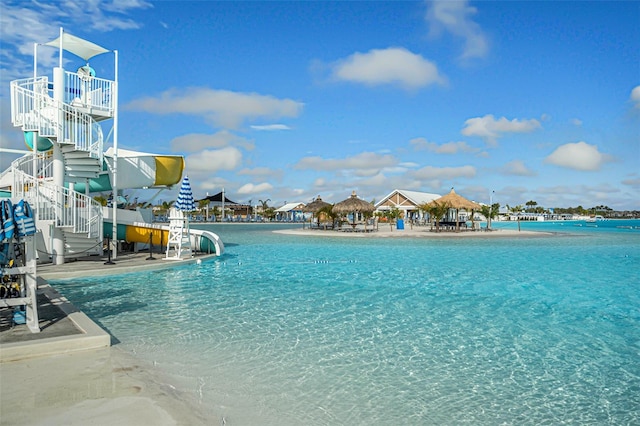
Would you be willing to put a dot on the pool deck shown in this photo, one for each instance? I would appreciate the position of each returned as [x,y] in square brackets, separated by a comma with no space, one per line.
[69,373]
[63,328]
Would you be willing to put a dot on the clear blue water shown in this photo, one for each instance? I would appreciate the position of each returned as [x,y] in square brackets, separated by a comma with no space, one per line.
[293,330]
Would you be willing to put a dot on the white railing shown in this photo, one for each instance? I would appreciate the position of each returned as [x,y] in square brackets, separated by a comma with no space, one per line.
[34,109]
[68,209]
[43,165]
[21,105]
[82,131]
[89,92]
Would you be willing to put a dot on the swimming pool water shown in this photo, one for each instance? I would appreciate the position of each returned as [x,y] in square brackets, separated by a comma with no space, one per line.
[295,330]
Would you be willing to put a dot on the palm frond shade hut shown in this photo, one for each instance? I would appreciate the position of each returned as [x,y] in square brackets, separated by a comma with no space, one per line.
[314,207]
[354,205]
[457,202]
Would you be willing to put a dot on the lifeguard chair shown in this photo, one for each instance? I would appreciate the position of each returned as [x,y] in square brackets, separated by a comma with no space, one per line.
[179,236]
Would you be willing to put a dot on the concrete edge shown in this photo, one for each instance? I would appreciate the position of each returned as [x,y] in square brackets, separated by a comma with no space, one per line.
[92,337]
[49,273]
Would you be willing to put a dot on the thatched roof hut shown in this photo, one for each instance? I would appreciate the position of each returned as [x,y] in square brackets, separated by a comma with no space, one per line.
[456,202]
[353,204]
[315,205]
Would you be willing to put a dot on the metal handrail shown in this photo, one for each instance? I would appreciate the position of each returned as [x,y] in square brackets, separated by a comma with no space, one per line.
[35,110]
[43,165]
[67,208]
[93,93]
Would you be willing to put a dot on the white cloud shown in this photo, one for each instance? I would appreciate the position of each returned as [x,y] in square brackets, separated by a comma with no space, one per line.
[455,17]
[518,168]
[271,127]
[445,148]
[228,158]
[377,180]
[44,19]
[260,171]
[430,172]
[635,96]
[319,183]
[222,107]
[388,66]
[576,122]
[578,156]
[362,161]
[632,182]
[194,142]
[408,165]
[249,188]
[400,168]
[490,129]
[98,14]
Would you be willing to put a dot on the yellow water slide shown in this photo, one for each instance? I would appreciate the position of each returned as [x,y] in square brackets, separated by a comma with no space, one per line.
[143,170]
[133,229]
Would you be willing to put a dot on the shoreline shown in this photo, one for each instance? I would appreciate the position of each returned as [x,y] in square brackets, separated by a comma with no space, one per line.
[416,233]
[102,386]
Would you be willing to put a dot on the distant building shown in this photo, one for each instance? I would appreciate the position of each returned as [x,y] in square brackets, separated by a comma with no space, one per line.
[406,201]
[290,212]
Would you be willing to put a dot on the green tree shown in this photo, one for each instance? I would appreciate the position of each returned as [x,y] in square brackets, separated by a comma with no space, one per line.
[514,209]
[436,211]
[378,215]
[328,214]
[216,212]
[530,205]
[602,210]
[366,216]
[165,206]
[202,206]
[264,204]
[490,212]
[269,213]
[392,215]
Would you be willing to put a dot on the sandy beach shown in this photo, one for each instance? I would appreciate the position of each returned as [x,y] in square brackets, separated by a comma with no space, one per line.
[97,387]
[384,231]
[70,386]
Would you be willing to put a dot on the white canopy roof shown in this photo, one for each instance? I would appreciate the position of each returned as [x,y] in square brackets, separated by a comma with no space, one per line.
[290,206]
[415,197]
[79,47]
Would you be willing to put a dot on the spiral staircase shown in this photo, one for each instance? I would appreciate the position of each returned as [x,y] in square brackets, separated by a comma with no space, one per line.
[62,119]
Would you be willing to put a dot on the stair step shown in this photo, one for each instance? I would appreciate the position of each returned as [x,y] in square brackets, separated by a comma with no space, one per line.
[81,168]
[79,245]
[84,163]
[79,165]
[69,150]
[77,154]
[79,177]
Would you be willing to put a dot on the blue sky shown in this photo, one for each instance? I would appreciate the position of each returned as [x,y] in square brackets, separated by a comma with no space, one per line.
[285,101]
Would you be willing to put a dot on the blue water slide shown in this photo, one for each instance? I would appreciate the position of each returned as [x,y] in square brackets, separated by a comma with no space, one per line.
[42,144]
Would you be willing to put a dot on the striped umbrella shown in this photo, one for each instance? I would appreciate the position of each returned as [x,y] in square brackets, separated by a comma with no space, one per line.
[185,197]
